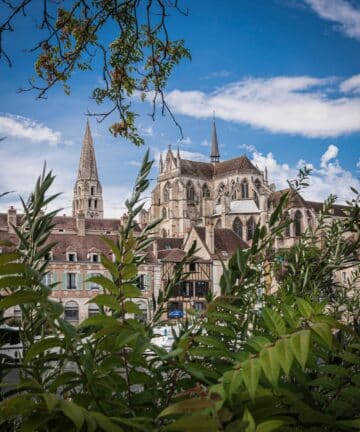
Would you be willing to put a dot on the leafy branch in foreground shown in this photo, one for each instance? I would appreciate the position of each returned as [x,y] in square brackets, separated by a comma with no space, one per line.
[250,362]
[136,62]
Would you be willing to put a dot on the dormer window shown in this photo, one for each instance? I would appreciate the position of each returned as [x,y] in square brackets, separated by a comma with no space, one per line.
[71,257]
[94,257]
[48,256]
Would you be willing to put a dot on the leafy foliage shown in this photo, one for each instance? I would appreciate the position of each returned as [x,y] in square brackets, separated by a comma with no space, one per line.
[252,361]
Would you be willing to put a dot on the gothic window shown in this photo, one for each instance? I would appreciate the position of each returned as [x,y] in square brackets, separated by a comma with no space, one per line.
[250,228]
[310,219]
[256,199]
[190,192]
[233,194]
[95,204]
[79,190]
[89,203]
[288,226]
[237,227]
[166,192]
[164,213]
[297,222]
[205,191]
[92,190]
[71,312]
[163,232]
[257,184]
[244,189]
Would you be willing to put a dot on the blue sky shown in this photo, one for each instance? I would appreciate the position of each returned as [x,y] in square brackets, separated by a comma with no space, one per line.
[282,75]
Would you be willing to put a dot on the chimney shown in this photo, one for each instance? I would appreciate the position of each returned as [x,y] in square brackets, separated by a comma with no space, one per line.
[11,219]
[209,235]
[80,223]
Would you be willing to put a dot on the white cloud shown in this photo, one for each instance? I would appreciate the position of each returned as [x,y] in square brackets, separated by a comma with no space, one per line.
[185,140]
[205,143]
[147,131]
[343,13]
[247,147]
[24,128]
[293,105]
[351,85]
[328,178]
[135,163]
[217,74]
[331,153]
[358,164]
[195,156]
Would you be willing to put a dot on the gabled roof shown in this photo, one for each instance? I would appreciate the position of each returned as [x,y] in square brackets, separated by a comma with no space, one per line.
[241,163]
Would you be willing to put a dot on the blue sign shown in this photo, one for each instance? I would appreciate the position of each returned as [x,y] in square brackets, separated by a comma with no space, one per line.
[176,314]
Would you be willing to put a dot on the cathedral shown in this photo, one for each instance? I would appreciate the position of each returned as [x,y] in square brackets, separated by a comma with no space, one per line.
[217,204]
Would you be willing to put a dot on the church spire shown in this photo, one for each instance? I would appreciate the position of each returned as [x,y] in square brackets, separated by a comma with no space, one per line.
[87,165]
[215,156]
[87,198]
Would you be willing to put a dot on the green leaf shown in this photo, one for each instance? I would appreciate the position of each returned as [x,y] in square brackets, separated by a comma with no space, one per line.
[274,321]
[129,271]
[131,291]
[251,371]
[210,341]
[104,282]
[232,381]
[51,400]
[41,346]
[305,308]
[194,423]
[9,256]
[186,406]
[105,424]
[354,424]
[133,308]
[106,300]
[324,331]
[250,422]
[269,425]
[21,297]
[269,361]
[14,282]
[101,320]
[300,344]
[285,354]
[73,412]
[12,268]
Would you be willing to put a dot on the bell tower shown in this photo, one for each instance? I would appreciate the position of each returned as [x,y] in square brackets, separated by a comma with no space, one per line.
[87,197]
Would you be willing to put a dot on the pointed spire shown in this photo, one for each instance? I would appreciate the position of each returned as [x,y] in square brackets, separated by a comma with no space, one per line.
[215,156]
[87,165]
[161,163]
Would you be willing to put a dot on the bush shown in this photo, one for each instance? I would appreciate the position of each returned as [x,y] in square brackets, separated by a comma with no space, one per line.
[250,362]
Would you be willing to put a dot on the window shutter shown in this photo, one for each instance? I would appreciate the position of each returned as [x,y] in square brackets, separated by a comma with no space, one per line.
[64,281]
[88,284]
[55,279]
[79,282]
[148,281]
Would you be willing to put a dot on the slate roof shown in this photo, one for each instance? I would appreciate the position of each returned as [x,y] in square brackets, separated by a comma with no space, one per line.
[208,170]
[225,240]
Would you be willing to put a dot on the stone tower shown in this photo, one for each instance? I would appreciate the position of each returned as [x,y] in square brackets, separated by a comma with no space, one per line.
[88,200]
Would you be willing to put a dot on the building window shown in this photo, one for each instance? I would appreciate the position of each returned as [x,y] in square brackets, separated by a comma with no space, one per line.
[175,306]
[257,184]
[92,190]
[17,312]
[70,280]
[297,222]
[163,233]
[244,189]
[201,288]
[89,203]
[190,192]
[256,199]
[164,213]
[140,282]
[71,312]
[95,257]
[238,227]
[192,267]
[205,191]
[250,228]
[310,219]
[48,256]
[47,279]
[186,289]
[166,192]
[71,256]
[93,285]
[93,310]
[199,306]
[95,204]
[288,227]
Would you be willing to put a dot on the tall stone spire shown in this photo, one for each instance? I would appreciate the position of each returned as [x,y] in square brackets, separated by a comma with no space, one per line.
[215,156]
[87,198]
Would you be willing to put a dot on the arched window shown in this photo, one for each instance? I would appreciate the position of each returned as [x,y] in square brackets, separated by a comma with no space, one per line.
[71,312]
[257,184]
[164,213]
[288,227]
[310,219]
[238,227]
[245,189]
[92,190]
[297,223]
[190,192]
[205,191]
[256,199]
[163,232]
[93,310]
[250,228]
[233,193]
[166,192]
